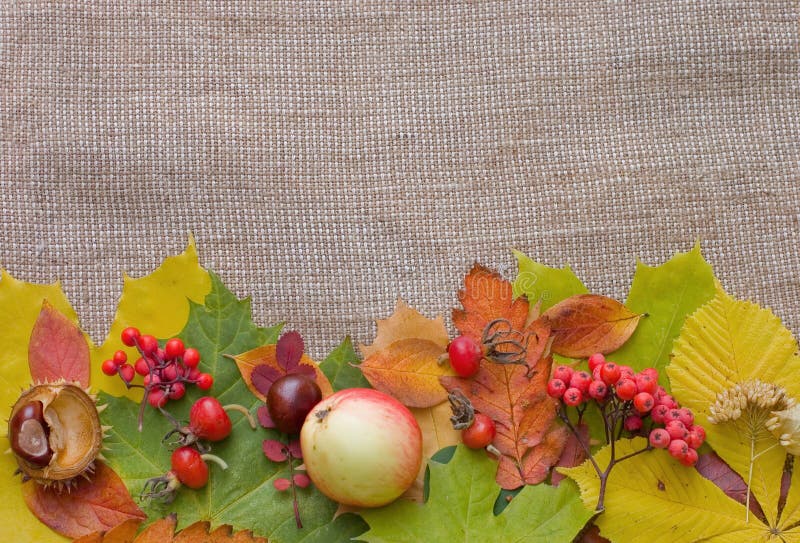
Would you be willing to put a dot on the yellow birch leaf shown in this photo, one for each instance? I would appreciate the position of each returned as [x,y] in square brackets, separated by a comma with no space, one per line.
[20,304]
[652,497]
[725,342]
[157,304]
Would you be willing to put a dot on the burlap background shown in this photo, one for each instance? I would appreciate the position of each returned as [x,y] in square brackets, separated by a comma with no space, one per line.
[331,156]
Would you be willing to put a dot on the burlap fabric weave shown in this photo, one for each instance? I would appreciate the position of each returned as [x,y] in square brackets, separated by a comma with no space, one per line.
[332,156]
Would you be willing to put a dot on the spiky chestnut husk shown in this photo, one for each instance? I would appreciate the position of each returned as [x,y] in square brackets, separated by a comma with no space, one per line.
[69,420]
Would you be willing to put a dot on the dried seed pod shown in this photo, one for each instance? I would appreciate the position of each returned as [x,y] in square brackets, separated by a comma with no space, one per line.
[55,433]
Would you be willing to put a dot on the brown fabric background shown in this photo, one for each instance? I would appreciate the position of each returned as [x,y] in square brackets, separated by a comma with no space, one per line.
[331,156]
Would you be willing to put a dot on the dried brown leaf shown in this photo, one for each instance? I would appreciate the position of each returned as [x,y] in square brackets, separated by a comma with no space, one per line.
[588,323]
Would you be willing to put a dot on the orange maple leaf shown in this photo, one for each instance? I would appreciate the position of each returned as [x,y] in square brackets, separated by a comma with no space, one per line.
[163,531]
[513,395]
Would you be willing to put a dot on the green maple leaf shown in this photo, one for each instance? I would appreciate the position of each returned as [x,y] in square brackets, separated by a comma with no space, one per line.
[460,508]
[242,496]
[667,294]
[540,282]
[341,367]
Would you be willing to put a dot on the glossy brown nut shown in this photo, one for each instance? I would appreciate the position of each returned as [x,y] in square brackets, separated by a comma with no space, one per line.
[29,434]
[290,399]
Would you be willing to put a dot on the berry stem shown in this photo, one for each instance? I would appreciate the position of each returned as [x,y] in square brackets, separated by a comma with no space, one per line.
[216,459]
[243,410]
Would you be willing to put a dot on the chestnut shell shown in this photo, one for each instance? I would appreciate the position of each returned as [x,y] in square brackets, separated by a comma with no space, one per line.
[75,435]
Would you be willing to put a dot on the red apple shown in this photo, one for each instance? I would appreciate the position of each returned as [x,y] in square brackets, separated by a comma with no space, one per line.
[361,447]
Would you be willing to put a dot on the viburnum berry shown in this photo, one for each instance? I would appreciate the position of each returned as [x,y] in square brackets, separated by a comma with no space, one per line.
[625,389]
[148,344]
[610,373]
[645,383]
[173,349]
[465,355]
[581,380]
[686,416]
[677,430]
[141,366]
[626,371]
[556,388]
[191,357]
[597,359]
[151,379]
[658,412]
[204,381]
[480,433]
[573,396]
[120,357]
[668,400]
[633,423]
[659,438]
[177,391]
[563,372]
[690,458]
[157,397]
[109,367]
[652,372]
[597,373]
[127,372]
[678,448]
[693,438]
[130,335]
[643,402]
[671,415]
[598,390]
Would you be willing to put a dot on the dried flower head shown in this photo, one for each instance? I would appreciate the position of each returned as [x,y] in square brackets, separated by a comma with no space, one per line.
[785,425]
[755,398]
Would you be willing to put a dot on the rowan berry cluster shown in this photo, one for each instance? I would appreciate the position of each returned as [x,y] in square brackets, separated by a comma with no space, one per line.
[165,371]
[634,400]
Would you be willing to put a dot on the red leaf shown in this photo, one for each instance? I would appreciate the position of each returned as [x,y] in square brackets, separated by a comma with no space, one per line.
[588,323]
[57,349]
[264,418]
[714,468]
[301,480]
[91,506]
[294,448]
[514,396]
[274,450]
[289,350]
[282,484]
[263,376]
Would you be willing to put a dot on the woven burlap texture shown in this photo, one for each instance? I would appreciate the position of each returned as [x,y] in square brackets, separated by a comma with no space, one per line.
[330,157]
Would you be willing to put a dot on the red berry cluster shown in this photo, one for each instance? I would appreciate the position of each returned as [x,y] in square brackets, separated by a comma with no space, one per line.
[165,371]
[634,398]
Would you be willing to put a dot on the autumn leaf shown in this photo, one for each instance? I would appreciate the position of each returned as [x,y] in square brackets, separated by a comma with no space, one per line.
[543,283]
[243,496]
[513,395]
[656,499]
[57,349]
[158,304]
[460,508]
[341,367]
[728,342]
[588,323]
[163,531]
[404,360]
[124,532]
[259,368]
[437,433]
[406,322]
[667,294]
[98,504]
[714,468]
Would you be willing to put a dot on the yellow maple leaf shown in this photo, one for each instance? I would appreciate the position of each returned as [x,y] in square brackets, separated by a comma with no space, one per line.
[157,302]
